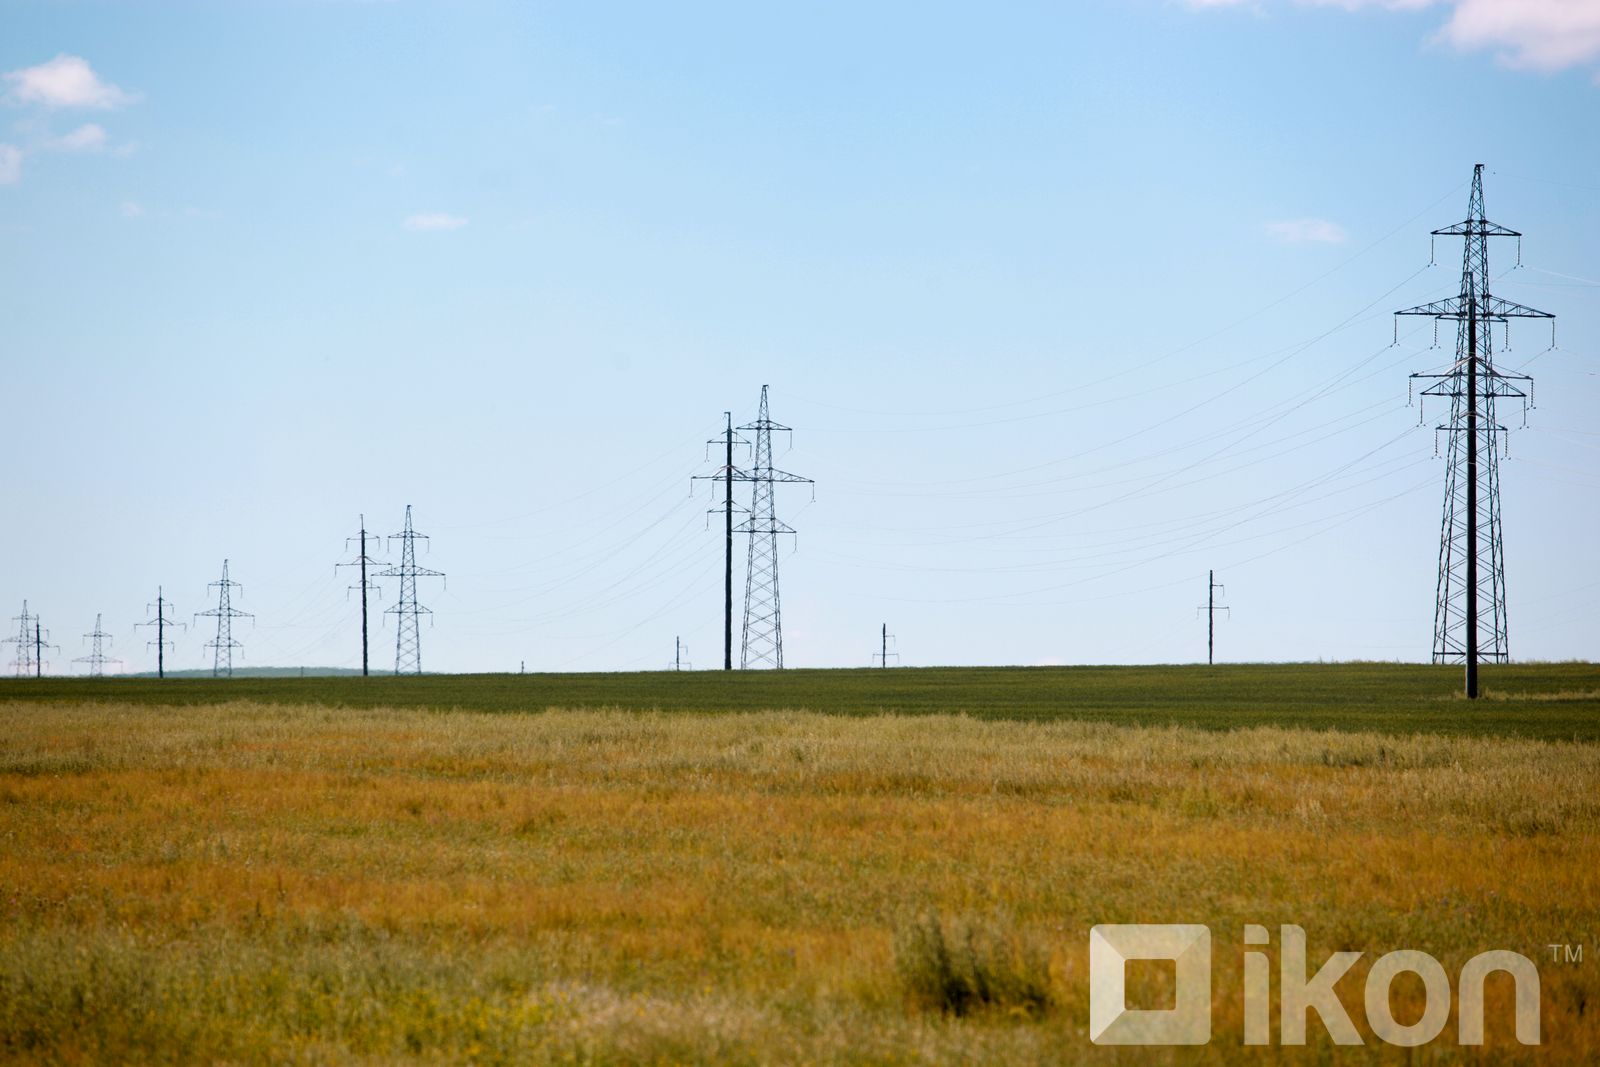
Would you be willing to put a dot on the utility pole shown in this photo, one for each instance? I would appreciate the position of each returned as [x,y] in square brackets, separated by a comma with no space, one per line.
[97,658]
[763,610]
[160,622]
[883,653]
[38,648]
[224,644]
[362,560]
[1471,552]
[727,474]
[24,642]
[678,649]
[407,612]
[1211,608]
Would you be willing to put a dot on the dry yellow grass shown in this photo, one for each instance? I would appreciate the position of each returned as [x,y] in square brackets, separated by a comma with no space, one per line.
[267,883]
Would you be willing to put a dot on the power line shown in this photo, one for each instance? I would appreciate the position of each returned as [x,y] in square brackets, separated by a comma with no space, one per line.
[407,612]
[363,561]
[97,658]
[1473,566]
[160,622]
[223,645]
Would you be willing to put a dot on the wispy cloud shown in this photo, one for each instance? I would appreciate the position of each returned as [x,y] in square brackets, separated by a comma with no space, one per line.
[1307,231]
[65,81]
[434,221]
[10,164]
[1546,35]
[132,209]
[90,137]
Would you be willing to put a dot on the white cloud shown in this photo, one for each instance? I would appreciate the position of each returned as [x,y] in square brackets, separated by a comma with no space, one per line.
[65,81]
[1527,34]
[10,164]
[90,137]
[1307,231]
[132,209]
[1542,34]
[435,221]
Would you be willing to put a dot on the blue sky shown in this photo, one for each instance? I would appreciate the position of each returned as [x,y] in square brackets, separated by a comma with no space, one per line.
[1066,304]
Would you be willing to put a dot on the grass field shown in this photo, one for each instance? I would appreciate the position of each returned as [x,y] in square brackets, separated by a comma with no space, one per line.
[768,870]
[1558,701]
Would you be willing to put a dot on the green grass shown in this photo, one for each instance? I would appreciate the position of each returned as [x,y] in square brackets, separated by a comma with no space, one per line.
[1554,701]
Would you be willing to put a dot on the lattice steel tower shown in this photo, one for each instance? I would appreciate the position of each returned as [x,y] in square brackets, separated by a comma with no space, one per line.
[408,637]
[224,644]
[97,658]
[763,608]
[1471,553]
[24,663]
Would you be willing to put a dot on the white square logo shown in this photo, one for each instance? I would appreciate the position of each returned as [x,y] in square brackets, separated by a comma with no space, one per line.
[1112,1022]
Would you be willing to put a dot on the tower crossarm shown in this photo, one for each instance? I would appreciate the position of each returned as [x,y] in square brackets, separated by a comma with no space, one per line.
[1489,309]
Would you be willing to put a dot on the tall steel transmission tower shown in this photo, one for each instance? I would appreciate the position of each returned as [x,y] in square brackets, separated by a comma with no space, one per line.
[408,637]
[363,560]
[1471,553]
[160,622]
[763,607]
[224,644]
[97,658]
[26,649]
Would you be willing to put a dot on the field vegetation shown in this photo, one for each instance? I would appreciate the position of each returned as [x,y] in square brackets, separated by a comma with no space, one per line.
[1555,701]
[294,878]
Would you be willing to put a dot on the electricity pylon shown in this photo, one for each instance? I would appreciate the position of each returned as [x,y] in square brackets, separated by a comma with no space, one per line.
[727,474]
[39,645]
[883,655]
[678,662]
[97,658]
[1211,607]
[24,641]
[1471,553]
[224,644]
[363,561]
[160,622]
[407,612]
[763,607]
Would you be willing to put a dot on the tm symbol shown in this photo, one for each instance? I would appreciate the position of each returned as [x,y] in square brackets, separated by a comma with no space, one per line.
[1565,953]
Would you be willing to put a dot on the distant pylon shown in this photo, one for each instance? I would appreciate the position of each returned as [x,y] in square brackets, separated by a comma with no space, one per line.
[678,650]
[1211,607]
[407,612]
[363,561]
[883,655]
[24,641]
[97,658]
[39,645]
[1473,566]
[224,644]
[763,607]
[160,622]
